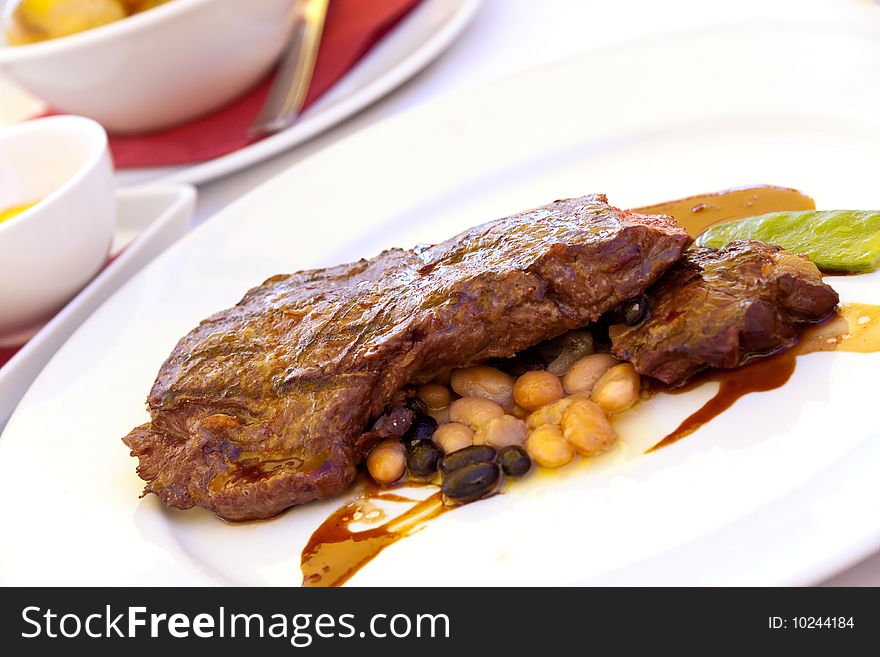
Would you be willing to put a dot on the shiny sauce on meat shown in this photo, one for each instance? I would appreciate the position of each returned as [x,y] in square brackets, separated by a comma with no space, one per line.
[855,328]
[335,551]
[697,213]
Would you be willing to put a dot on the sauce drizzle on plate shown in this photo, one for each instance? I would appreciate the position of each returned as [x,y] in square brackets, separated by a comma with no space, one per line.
[855,328]
[335,552]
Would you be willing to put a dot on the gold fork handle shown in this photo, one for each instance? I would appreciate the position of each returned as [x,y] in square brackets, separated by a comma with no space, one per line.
[288,91]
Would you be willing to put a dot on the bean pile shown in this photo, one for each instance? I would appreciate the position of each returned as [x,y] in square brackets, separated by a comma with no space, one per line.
[479,424]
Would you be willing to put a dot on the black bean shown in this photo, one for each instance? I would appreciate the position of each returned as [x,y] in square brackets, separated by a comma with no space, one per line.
[471,482]
[422,428]
[634,311]
[575,345]
[417,405]
[514,461]
[525,361]
[467,456]
[422,457]
[549,350]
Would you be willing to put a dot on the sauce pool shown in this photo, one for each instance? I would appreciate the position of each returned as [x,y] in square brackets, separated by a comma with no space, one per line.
[335,552]
[697,213]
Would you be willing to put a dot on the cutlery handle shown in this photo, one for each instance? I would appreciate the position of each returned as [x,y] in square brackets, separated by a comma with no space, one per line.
[288,91]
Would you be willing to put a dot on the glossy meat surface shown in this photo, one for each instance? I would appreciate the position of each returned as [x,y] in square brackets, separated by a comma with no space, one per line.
[273,402]
[721,307]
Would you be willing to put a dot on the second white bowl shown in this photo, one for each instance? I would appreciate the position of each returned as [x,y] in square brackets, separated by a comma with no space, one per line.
[161,67]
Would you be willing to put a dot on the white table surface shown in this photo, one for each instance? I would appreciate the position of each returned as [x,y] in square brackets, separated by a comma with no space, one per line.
[512,35]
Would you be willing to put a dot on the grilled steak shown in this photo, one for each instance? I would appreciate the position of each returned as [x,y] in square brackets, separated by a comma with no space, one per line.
[721,307]
[273,402]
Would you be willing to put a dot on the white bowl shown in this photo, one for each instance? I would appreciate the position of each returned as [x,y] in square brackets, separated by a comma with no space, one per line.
[157,68]
[50,251]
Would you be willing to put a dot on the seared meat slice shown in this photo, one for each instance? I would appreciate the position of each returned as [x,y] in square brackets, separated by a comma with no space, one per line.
[721,307]
[269,403]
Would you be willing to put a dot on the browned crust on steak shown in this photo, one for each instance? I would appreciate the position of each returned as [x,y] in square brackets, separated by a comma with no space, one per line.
[265,405]
[721,307]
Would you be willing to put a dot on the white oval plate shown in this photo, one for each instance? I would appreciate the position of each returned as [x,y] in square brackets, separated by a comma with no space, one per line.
[781,489]
[413,44]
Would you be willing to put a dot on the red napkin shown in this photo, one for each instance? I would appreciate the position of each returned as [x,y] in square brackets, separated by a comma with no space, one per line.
[6,354]
[351,29]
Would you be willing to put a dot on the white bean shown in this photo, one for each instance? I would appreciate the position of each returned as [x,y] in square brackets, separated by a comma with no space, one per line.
[536,389]
[435,396]
[585,426]
[440,414]
[549,414]
[485,382]
[520,412]
[617,389]
[453,436]
[474,411]
[386,462]
[585,372]
[501,432]
[548,447]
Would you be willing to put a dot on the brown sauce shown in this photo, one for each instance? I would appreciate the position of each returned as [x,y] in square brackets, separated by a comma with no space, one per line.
[855,328]
[335,552]
[697,213]
[758,376]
